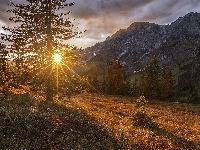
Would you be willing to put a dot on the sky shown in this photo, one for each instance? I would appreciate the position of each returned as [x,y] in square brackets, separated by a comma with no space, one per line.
[102,18]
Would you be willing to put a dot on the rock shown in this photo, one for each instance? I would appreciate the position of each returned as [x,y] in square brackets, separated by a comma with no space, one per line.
[134,47]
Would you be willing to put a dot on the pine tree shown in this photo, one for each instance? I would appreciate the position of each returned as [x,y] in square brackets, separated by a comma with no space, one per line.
[104,86]
[140,116]
[94,79]
[4,69]
[40,32]
[125,88]
[134,89]
[3,64]
[114,77]
[193,95]
[167,87]
[150,79]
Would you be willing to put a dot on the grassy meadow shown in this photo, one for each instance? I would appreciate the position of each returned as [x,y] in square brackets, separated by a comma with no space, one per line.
[94,121]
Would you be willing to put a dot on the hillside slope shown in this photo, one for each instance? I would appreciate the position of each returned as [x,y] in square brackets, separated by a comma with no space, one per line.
[91,121]
[134,47]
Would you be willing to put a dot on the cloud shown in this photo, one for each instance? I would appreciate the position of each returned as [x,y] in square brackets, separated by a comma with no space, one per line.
[3,8]
[166,11]
[88,9]
[102,18]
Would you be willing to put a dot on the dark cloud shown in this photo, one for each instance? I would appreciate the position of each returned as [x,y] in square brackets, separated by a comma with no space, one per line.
[3,10]
[91,9]
[108,16]
[122,5]
[104,17]
[166,11]
[4,7]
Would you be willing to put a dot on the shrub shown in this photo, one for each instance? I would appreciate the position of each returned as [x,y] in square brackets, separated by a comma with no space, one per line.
[141,117]
[141,103]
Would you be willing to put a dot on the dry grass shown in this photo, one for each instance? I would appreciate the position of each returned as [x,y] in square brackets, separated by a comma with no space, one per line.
[177,126]
[92,121]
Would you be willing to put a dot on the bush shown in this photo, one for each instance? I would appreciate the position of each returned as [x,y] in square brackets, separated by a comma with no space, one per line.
[141,103]
[141,117]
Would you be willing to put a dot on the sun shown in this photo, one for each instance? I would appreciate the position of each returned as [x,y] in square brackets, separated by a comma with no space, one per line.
[57,58]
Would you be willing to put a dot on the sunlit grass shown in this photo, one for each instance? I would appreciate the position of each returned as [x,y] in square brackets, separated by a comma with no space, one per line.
[177,125]
[174,129]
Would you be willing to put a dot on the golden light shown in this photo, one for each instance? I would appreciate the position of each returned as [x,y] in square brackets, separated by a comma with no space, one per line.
[57,58]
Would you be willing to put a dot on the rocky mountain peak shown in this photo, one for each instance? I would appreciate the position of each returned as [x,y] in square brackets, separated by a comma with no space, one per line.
[133,26]
[135,46]
[136,25]
[118,33]
[189,19]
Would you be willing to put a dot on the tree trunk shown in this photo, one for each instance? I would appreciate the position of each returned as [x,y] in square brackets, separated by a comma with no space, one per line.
[49,93]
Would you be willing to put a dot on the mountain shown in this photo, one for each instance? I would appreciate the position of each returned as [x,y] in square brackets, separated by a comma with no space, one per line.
[176,45]
[134,47]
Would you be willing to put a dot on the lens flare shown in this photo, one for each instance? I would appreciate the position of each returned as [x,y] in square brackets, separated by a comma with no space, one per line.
[57,58]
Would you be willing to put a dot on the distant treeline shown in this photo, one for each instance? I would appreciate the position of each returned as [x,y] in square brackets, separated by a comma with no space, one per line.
[155,83]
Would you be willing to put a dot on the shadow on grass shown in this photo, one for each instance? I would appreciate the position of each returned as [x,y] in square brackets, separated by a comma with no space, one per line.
[187,107]
[26,124]
[180,142]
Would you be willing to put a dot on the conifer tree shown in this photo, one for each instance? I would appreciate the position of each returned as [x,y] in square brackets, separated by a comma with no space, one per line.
[193,95]
[125,88]
[104,85]
[4,68]
[140,116]
[134,88]
[40,31]
[150,79]
[94,79]
[3,63]
[167,87]
[114,77]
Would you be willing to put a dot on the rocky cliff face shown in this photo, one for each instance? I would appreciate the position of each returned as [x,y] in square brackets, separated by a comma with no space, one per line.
[134,47]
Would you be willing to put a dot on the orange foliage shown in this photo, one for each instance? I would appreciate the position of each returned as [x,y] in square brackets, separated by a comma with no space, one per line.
[177,126]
